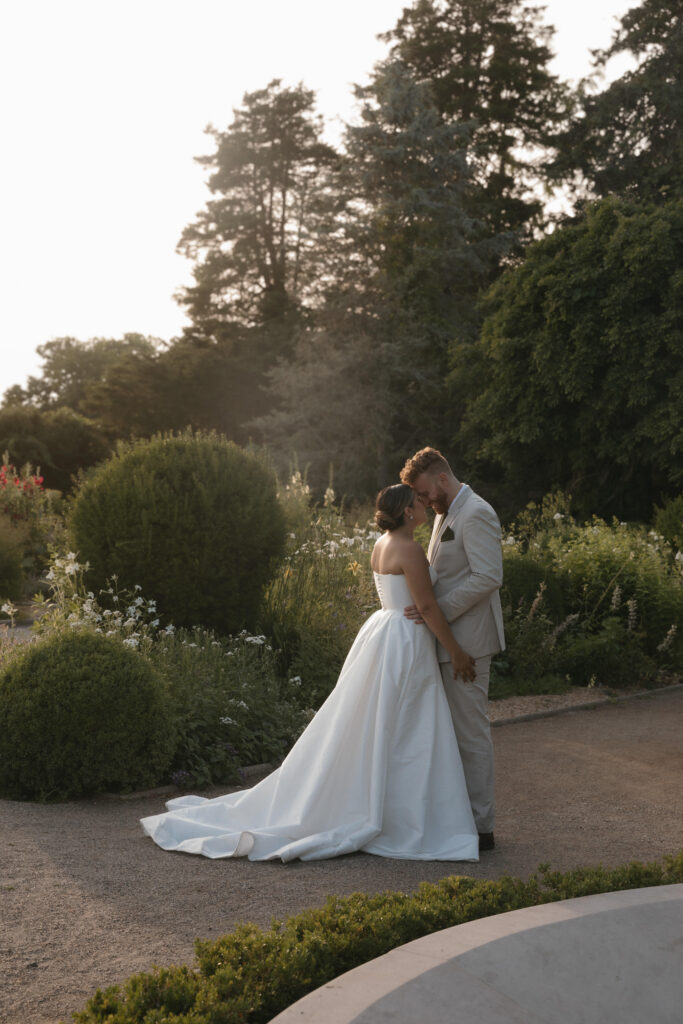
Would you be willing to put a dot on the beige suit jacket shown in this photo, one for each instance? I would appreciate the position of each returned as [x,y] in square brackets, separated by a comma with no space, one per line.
[470,573]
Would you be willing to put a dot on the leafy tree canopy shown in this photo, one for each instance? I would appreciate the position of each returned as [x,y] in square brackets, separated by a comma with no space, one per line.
[487,64]
[70,367]
[577,380]
[629,137]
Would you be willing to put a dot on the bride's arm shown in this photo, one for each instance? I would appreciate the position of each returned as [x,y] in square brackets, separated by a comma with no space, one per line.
[416,572]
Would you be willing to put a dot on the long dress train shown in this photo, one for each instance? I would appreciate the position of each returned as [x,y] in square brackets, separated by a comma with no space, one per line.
[377,769]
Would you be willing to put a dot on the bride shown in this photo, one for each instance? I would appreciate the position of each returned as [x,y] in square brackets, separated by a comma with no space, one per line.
[378,767]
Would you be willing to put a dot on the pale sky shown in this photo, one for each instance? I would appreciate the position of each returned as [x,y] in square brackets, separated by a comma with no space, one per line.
[104,108]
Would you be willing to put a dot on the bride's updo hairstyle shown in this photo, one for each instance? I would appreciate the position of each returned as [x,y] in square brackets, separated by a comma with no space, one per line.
[391,505]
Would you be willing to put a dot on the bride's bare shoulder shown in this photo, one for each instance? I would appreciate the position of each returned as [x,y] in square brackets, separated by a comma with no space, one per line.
[414,553]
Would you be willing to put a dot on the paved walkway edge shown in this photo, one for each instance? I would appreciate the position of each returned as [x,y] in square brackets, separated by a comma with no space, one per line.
[587,706]
[613,957]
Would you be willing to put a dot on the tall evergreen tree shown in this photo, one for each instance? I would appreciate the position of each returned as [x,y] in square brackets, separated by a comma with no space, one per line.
[628,138]
[258,244]
[487,63]
[369,381]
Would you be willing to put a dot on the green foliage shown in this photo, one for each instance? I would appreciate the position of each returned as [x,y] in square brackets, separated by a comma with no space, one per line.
[320,596]
[258,244]
[669,522]
[70,367]
[624,572]
[250,975]
[487,62]
[628,138]
[523,575]
[80,714]
[611,657]
[192,519]
[577,379]
[60,441]
[11,572]
[30,519]
[230,705]
[591,605]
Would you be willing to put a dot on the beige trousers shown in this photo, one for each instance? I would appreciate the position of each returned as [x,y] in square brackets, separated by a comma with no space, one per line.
[469,709]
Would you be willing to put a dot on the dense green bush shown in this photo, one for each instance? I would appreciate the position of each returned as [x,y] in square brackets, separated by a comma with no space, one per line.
[81,714]
[611,657]
[60,441]
[523,574]
[193,519]
[669,522]
[621,571]
[11,573]
[251,975]
[230,706]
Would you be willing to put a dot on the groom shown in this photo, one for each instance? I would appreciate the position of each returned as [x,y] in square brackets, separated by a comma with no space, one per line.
[466,554]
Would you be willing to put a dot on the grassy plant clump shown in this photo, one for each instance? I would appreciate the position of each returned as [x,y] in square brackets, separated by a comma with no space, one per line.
[250,975]
[81,714]
[322,592]
[192,519]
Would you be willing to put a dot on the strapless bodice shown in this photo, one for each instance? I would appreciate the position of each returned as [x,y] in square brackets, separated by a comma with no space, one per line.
[393,591]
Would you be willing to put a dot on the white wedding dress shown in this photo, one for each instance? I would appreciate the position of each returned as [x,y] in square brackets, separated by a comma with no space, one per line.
[377,769]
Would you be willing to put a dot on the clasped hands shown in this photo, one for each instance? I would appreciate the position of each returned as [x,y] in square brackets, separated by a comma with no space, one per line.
[463,663]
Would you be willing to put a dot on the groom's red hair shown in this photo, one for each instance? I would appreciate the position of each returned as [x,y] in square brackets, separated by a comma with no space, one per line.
[425,461]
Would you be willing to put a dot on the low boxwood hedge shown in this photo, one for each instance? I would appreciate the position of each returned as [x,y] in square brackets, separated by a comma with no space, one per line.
[250,975]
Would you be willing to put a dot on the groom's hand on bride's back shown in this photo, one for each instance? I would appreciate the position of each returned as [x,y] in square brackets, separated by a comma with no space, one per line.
[411,612]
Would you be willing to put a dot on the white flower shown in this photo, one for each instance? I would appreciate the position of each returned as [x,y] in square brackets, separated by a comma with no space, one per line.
[154,623]
[137,587]
[296,680]
[131,641]
[227,721]
[169,630]
[509,540]
[558,515]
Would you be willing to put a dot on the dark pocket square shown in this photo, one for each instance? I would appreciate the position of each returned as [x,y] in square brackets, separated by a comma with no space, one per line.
[447,535]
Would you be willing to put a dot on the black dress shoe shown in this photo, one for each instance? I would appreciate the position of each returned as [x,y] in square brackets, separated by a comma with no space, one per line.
[486,841]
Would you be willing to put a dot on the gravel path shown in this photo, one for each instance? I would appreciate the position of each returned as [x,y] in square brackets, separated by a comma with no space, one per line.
[85,900]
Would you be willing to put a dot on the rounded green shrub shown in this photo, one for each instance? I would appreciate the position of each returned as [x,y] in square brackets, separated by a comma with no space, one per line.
[81,714]
[192,519]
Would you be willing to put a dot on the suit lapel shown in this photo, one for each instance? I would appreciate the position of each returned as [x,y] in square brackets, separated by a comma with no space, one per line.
[437,533]
[438,523]
[442,523]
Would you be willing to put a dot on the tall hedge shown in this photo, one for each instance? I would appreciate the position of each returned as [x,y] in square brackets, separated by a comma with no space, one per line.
[191,519]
